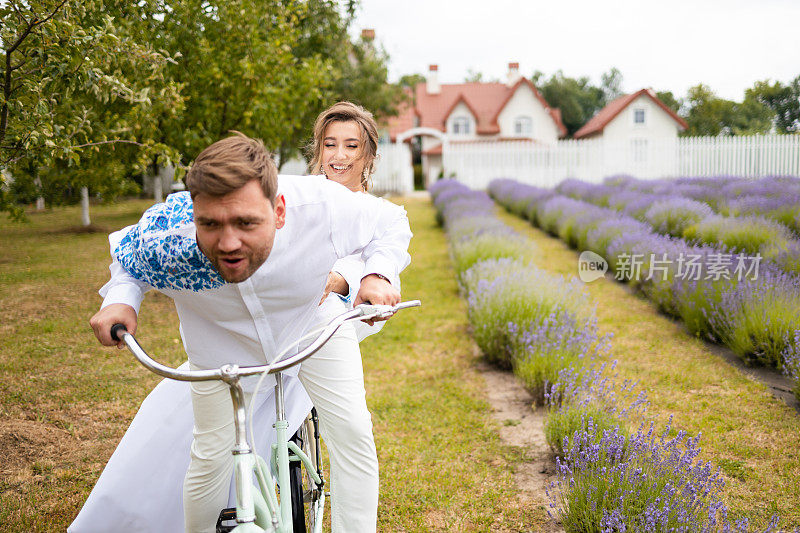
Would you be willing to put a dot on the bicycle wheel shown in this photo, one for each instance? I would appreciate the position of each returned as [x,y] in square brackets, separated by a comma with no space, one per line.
[305,492]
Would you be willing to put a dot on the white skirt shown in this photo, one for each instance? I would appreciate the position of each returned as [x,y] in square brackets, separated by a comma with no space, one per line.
[140,489]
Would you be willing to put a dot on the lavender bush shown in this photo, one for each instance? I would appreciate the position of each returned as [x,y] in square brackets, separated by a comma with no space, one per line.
[522,317]
[595,394]
[756,318]
[526,319]
[750,317]
[674,215]
[609,479]
[791,361]
[750,234]
[644,482]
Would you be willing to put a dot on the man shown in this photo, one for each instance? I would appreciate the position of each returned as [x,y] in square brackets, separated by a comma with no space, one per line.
[258,263]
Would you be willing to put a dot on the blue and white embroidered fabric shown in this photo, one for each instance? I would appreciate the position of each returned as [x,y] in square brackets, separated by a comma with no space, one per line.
[162,249]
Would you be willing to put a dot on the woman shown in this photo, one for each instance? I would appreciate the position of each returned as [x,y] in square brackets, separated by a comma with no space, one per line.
[344,149]
[141,486]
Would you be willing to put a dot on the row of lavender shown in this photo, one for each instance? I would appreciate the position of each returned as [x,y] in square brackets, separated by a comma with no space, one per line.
[754,313]
[543,327]
[756,217]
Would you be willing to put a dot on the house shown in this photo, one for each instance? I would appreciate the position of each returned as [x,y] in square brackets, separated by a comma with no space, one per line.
[636,125]
[474,111]
[639,115]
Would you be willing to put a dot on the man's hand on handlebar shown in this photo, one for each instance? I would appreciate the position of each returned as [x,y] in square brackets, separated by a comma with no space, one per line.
[376,290]
[102,321]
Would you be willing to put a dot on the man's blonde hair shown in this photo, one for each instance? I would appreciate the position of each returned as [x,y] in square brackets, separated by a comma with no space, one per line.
[346,112]
[230,164]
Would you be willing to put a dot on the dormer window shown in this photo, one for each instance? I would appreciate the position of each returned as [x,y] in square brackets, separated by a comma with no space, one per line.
[523,126]
[461,125]
[638,116]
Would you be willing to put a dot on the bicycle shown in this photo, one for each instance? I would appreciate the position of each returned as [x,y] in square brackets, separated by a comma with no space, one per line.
[258,509]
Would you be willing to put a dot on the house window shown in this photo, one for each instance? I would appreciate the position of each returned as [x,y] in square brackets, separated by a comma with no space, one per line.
[523,126]
[638,116]
[639,149]
[461,125]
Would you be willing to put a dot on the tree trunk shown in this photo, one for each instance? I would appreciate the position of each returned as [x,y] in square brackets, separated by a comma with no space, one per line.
[85,206]
[158,194]
[39,200]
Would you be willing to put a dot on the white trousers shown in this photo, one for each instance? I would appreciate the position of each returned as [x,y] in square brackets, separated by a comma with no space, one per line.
[333,378]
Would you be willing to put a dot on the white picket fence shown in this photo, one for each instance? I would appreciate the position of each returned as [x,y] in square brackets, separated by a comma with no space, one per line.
[476,163]
[394,173]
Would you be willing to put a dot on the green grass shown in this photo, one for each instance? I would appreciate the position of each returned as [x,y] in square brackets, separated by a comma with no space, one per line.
[751,435]
[65,401]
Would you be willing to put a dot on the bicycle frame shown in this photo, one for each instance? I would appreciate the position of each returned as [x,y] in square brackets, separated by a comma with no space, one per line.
[260,511]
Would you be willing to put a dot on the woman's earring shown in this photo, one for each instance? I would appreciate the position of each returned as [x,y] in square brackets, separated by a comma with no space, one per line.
[322,170]
[365,179]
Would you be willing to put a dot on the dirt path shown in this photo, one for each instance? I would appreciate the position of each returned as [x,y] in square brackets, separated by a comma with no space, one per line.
[523,426]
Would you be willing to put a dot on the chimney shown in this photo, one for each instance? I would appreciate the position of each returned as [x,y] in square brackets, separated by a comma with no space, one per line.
[513,74]
[433,86]
[368,34]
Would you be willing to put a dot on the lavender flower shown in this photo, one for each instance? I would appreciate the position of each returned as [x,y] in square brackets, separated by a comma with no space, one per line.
[674,215]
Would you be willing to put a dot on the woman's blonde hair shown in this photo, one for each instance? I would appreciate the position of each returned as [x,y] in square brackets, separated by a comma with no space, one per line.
[346,112]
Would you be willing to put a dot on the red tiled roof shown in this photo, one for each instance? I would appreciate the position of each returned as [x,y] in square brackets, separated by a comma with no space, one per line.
[615,107]
[485,101]
[404,121]
[437,150]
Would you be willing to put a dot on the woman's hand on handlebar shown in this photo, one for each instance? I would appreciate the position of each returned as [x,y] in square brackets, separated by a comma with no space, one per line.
[102,321]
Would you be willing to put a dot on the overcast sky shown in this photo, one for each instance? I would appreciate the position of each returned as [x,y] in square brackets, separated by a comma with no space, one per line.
[726,44]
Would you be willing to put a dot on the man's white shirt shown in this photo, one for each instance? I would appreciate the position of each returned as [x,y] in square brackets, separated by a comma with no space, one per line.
[249,323]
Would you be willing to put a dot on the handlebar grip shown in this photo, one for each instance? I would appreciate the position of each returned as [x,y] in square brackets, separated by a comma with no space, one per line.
[117,330]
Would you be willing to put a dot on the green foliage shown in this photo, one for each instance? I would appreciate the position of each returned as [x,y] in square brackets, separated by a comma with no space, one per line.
[750,234]
[467,252]
[669,100]
[672,217]
[711,115]
[97,84]
[577,99]
[783,100]
[611,84]
[566,420]
[78,101]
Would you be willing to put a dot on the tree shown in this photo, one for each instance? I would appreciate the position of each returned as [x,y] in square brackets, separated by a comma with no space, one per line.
[266,69]
[783,100]
[710,115]
[611,84]
[74,89]
[473,76]
[669,100]
[411,80]
[577,99]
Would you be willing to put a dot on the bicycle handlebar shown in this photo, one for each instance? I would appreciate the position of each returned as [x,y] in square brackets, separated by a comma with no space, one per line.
[232,372]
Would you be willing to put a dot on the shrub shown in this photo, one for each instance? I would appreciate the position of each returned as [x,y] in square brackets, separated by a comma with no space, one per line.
[645,482]
[526,319]
[600,237]
[791,361]
[744,234]
[469,250]
[757,318]
[674,215]
[562,423]
[596,394]
[541,351]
